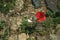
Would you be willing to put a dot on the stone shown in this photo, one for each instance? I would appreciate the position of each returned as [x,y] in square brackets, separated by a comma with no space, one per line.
[12,37]
[36,3]
[22,36]
[53,37]
[51,5]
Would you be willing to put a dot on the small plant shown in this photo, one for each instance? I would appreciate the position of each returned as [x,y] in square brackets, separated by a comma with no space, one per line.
[42,25]
[27,27]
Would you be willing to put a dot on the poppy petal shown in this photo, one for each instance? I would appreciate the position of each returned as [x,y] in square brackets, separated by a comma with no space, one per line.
[40,16]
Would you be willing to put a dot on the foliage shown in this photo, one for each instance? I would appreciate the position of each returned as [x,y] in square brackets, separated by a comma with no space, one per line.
[43,28]
[27,27]
[49,13]
[6,5]
[56,20]
[58,6]
[2,25]
[6,34]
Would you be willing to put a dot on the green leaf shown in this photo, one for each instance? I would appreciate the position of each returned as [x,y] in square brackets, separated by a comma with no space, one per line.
[56,20]
[2,24]
[49,13]
[58,5]
[6,32]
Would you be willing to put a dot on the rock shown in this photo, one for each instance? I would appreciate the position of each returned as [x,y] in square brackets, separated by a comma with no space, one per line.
[15,22]
[22,36]
[36,3]
[12,37]
[51,5]
[53,37]
[19,20]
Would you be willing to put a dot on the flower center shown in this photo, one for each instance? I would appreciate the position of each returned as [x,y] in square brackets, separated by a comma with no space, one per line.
[41,15]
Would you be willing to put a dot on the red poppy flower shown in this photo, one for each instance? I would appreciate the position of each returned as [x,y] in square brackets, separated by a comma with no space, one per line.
[40,16]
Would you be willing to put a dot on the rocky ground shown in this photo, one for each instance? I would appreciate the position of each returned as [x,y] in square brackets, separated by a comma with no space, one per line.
[15,20]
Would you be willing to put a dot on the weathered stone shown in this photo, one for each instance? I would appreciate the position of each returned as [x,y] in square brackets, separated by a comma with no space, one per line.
[12,37]
[36,3]
[15,22]
[53,37]
[22,36]
[51,4]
